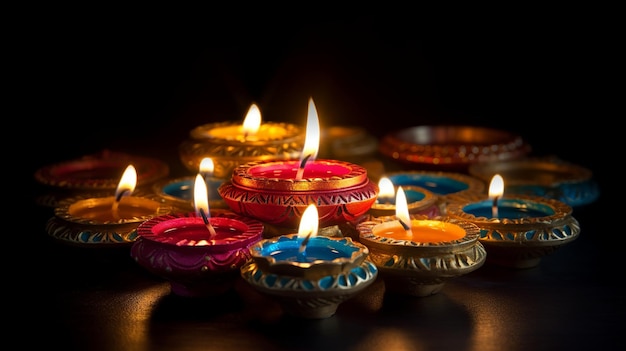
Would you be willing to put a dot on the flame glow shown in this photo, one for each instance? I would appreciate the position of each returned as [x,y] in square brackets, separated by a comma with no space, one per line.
[207,167]
[127,183]
[402,208]
[496,187]
[386,190]
[309,223]
[200,195]
[252,122]
[312,139]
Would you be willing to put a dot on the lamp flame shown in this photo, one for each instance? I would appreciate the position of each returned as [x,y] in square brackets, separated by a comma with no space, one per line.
[312,139]
[252,122]
[496,187]
[309,225]
[207,167]
[402,210]
[386,190]
[127,183]
[200,196]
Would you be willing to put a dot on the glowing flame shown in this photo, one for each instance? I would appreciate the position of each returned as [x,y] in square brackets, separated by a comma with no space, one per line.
[309,223]
[402,209]
[127,183]
[252,122]
[200,196]
[386,190]
[312,139]
[207,166]
[496,187]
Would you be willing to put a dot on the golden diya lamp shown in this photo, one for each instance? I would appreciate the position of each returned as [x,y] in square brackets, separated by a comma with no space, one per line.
[230,144]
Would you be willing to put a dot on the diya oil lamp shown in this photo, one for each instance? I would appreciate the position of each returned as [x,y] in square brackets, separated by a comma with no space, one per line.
[416,255]
[199,253]
[516,230]
[307,274]
[442,184]
[278,192]
[230,144]
[179,191]
[105,221]
[451,148]
[95,174]
[543,176]
[419,201]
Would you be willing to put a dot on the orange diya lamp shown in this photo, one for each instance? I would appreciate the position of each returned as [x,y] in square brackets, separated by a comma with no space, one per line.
[415,254]
[230,144]
[277,192]
[199,252]
[105,221]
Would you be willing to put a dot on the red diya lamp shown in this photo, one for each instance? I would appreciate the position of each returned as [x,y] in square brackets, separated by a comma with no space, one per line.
[107,221]
[199,253]
[278,192]
[230,144]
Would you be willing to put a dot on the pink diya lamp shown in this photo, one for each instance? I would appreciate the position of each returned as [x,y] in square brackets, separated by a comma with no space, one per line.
[199,253]
[307,274]
[278,192]
[415,254]
[105,221]
[230,144]
[179,191]
[517,230]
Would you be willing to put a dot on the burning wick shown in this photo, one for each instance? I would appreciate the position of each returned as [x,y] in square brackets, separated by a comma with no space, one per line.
[494,207]
[207,223]
[301,167]
[404,225]
[116,203]
[302,248]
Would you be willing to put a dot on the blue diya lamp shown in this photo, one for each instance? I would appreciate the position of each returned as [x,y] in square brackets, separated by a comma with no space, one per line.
[419,201]
[442,184]
[179,192]
[309,283]
[546,177]
[517,230]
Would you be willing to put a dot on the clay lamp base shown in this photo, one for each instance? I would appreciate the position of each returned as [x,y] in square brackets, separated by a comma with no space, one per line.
[547,177]
[451,148]
[88,221]
[525,229]
[269,192]
[180,249]
[421,268]
[312,287]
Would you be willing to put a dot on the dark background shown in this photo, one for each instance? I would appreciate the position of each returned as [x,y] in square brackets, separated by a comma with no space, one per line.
[138,82]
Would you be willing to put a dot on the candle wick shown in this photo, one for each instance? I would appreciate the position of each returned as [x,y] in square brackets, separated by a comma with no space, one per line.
[301,167]
[116,204]
[404,225]
[207,223]
[121,195]
[494,207]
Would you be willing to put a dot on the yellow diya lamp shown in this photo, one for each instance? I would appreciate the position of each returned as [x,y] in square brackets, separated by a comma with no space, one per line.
[108,221]
[230,144]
